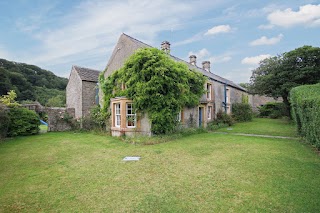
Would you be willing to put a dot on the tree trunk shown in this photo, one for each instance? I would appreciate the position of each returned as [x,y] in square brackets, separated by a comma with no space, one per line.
[287,104]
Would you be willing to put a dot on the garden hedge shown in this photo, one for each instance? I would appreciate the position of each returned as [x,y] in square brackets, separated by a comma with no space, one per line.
[305,105]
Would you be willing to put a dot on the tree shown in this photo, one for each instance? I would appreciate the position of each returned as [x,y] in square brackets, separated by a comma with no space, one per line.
[157,85]
[56,101]
[30,82]
[9,99]
[276,76]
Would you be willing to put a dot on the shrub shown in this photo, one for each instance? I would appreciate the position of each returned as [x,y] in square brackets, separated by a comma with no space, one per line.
[222,120]
[4,122]
[305,105]
[273,110]
[23,122]
[242,112]
[96,120]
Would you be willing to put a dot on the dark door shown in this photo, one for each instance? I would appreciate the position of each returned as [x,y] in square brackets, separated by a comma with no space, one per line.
[200,116]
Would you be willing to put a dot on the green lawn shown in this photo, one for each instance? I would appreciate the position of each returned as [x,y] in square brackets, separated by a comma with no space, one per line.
[264,126]
[83,172]
[43,128]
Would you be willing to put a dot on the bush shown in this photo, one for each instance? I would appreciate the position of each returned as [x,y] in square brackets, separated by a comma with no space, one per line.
[222,120]
[22,122]
[273,110]
[305,105]
[4,122]
[95,121]
[242,112]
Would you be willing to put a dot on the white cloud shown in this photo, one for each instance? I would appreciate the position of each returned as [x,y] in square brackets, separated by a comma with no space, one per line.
[266,41]
[307,15]
[255,60]
[265,26]
[4,53]
[205,55]
[201,54]
[91,29]
[218,29]
[220,59]
[192,39]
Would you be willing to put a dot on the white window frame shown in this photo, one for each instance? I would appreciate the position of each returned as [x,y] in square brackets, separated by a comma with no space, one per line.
[130,115]
[210,112]
[209,91]
[117,115]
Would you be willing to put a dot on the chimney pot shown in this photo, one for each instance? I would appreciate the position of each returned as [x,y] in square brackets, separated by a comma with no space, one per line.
[193,60]
[206,65]
[165,46]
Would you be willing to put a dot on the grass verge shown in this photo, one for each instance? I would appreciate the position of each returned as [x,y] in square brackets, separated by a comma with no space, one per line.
[263,126]
[83,172]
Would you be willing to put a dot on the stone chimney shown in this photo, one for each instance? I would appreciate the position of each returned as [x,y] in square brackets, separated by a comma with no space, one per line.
[165,46]
[193,60]
[206,66]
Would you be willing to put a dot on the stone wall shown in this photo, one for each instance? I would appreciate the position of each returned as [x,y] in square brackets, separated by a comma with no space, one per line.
[88,96]
[258,100]
[60,119]
[73,93]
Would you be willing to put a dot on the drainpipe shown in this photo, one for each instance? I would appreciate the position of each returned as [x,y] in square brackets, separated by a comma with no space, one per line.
[225,97]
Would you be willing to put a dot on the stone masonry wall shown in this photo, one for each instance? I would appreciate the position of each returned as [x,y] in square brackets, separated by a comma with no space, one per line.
[73,93]
[258,100]
[88,96]
[60,119]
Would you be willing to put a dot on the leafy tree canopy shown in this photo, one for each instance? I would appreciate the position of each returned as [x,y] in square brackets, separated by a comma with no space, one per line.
[30,82]
[277,75]
[9,99]
[157,85]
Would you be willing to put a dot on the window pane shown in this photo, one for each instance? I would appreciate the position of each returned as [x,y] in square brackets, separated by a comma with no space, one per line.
[131,116]
[117,117]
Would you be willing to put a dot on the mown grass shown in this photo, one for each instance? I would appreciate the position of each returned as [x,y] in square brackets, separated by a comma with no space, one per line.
[264,126]
[83,172]
[43,128]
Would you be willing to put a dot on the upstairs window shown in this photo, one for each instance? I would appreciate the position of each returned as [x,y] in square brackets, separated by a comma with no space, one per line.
[209,91]
[131,116]
[178,118]
[117,115]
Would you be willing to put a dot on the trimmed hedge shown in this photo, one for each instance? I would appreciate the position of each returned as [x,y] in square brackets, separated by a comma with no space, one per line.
[305,105]
[242,112]
[4,122]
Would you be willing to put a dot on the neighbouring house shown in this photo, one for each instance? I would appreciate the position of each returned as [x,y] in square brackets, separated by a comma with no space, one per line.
[82,90]
[220,95]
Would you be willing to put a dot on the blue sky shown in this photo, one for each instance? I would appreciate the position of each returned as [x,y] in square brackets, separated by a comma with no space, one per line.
[234,35]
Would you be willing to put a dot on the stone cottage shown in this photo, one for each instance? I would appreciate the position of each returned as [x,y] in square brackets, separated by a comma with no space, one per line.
[220,95]
[82,90]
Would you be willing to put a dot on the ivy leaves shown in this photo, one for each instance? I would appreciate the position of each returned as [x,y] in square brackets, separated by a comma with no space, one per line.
[158,86]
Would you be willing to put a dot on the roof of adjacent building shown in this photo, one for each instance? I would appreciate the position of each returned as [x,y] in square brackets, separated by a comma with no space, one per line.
[210,75]
[87,74]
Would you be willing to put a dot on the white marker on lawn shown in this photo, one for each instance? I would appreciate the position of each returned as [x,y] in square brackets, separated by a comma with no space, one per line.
[131,158]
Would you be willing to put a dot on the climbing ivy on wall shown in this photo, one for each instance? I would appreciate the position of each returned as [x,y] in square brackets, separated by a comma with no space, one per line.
[157,85]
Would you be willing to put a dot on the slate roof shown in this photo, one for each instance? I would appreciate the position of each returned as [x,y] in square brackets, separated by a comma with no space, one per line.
[210,75]
[87,74]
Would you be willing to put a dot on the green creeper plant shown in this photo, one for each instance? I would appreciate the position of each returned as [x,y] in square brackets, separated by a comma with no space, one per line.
[158,86]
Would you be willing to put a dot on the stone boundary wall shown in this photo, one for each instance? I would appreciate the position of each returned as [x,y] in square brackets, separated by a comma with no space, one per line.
[259,100]
[60,119]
